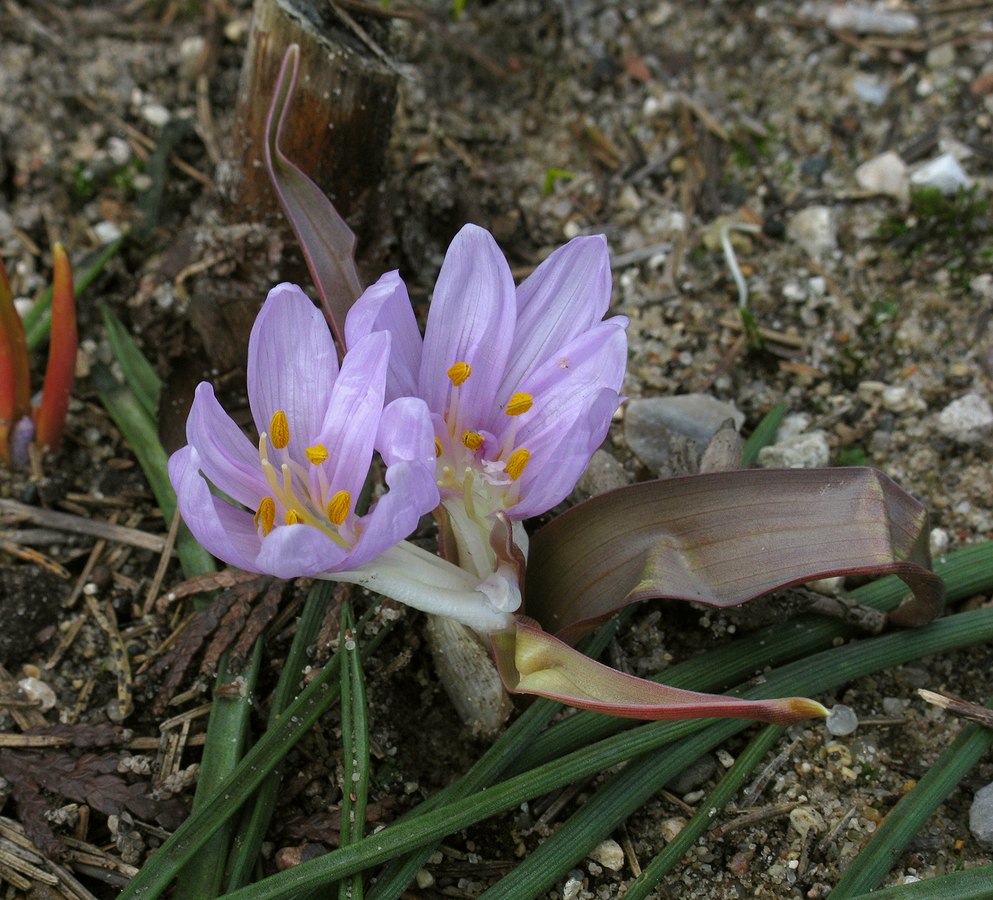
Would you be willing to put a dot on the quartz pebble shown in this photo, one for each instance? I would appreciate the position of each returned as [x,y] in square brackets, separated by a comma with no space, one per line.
[968,420]
[814,230]
[608,854]
[802,451]
[944,173]
[805,819]
[842,720]
[884,174]
[37,690]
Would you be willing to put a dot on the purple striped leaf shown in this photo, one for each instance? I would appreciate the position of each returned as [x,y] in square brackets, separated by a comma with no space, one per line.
[727,537]
[531,661]
[327,242]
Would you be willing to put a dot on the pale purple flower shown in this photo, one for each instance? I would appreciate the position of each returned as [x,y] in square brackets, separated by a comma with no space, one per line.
[294,491]
[521,383]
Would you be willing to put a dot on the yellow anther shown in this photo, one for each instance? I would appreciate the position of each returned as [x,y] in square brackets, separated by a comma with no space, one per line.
[473,440]
[459,373]
[438,449]
[517,462]
[279,430]
[518,403]
[266,514]
[338,507]
[317,454]
[293,517]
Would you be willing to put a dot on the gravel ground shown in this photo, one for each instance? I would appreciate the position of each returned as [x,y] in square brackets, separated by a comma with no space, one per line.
[664,125]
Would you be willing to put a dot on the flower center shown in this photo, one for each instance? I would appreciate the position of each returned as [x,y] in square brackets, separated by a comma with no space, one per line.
[301,488]
[474,465]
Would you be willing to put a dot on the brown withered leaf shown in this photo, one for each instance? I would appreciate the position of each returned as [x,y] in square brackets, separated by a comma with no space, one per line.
[92,779]
[175,663]
[326,826]
[261,615]
[82,734]
[211,581]
[31,806]
[229,628]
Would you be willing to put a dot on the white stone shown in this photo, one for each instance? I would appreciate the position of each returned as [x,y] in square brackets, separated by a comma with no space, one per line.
[944,173]
[884,174]
[813,229]
[571,889]
[802,451]
[424,879]
[869,89]
[900,398]
[119,150]
[37,690]
[106,232]
[830,587]
[967,420]
[156,114]
[842,720]
[805,819]
[868,18]
[609,854]
[939,542]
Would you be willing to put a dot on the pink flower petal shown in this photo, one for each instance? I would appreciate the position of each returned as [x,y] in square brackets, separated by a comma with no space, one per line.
[292,365]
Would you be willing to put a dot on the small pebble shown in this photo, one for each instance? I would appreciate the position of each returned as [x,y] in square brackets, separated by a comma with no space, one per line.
[884,174]
[814,230]
[968,420]
[842,720]
[943,173]
[571,889]
[803,451]
[693,775]
[37,690]
[106,232]
[939,542]
[981,816]
[670,828]
[424,879]
[156,114]
[609,854]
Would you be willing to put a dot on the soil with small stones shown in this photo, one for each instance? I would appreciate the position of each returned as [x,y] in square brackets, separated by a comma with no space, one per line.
[647,121]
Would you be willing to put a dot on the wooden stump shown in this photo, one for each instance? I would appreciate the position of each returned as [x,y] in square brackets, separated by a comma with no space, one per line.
[337,132]
[341,115]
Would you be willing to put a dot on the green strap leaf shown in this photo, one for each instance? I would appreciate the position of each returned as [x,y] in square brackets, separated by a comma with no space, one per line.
[726,537]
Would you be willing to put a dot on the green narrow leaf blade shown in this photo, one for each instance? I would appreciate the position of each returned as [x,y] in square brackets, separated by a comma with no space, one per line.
[138,372]
[248,841]
[904,822]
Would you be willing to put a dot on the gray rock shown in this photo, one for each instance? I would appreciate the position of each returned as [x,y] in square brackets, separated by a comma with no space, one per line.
[967,420]
[842,720]
[663,431]
[604,473]
[981,816]
[693,775]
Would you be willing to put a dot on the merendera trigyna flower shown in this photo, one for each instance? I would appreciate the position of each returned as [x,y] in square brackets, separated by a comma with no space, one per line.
[521,384]
[317,427]
[291,507]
